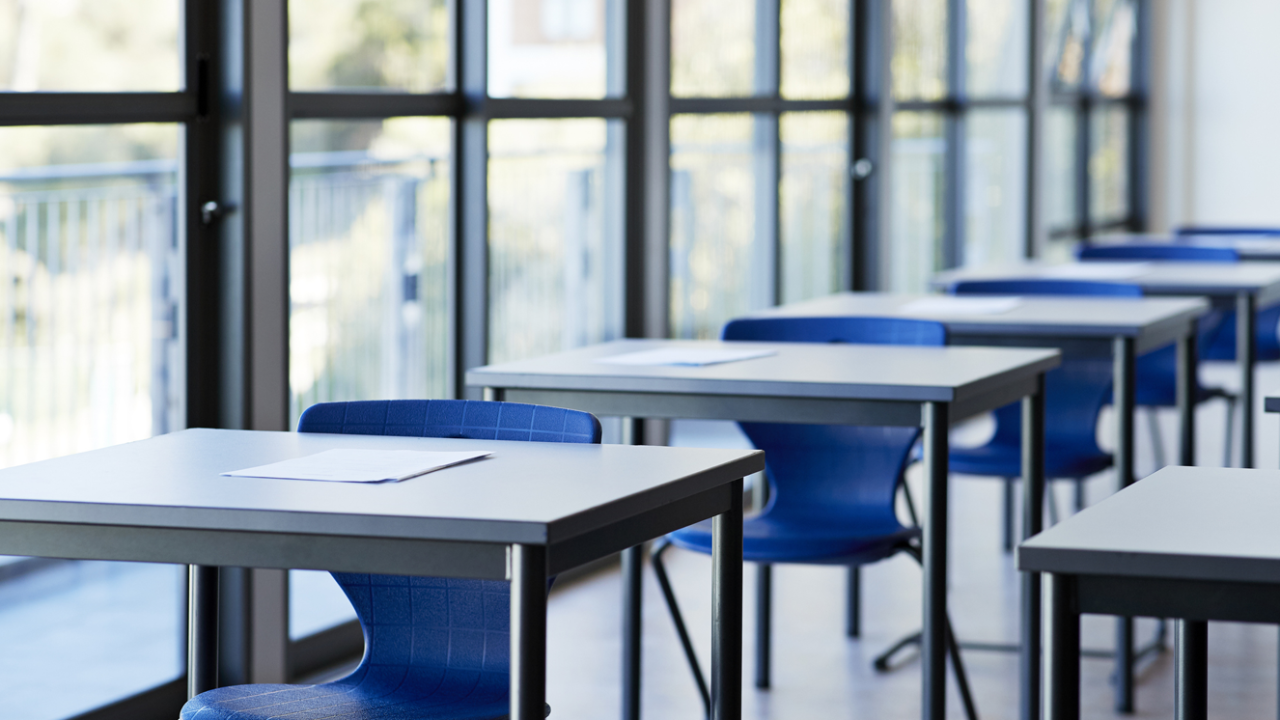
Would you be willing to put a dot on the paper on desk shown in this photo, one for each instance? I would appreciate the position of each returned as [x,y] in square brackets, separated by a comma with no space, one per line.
[685,356]
[1096,270]
[950,305]
[368,466]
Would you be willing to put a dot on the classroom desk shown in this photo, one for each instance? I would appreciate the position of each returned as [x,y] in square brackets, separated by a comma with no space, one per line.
[1244,287]
[1191,543]
[929,387]
[529,511]
[1120,328]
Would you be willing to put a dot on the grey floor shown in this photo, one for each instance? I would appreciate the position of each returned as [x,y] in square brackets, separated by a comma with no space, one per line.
[78,636]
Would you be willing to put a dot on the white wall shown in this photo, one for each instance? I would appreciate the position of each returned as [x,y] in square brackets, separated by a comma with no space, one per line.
[1215,143]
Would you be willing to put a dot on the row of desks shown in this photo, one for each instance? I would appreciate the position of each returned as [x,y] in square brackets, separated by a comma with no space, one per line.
[161,500]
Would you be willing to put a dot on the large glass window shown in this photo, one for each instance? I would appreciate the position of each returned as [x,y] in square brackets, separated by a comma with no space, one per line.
[381,45]
[553,48]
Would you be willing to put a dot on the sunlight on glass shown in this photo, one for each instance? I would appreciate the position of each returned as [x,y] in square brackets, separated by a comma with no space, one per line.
[995,189]
[555,48]
[919,63]
[368,258]
[1108,167]
[712,48]
[815,49]
[715,260]
[555,235]
[388,45]
[1067,23]
[89,45]
[1060,167]
[1112,60]
[996,48]
[919,152]
[813,204]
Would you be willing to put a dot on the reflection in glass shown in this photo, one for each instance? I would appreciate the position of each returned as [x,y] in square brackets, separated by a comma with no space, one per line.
[555,235]
[1067,23]
[1108,169]
[713,50]
[91,339]
[919,63]
[996,49]
[368,252]
[1060,167]
[815,49]
[719,250]
[389,45]
[89,45]
[814,204]
[1112,61]
[919,151]
[996,177]
[554,48]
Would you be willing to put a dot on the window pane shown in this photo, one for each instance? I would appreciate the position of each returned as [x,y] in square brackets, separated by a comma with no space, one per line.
[814,204]
[919,152]
[368,254]
[1060,137]
[555,235]
[713,50]
[996,49]
[316,603]
[91,267]
[555,48]
[1108,164]
[815,49]
[995,196]
[89,45]
[1112,60]
[1067,23]
[390,45]
[719,252]
[919,49]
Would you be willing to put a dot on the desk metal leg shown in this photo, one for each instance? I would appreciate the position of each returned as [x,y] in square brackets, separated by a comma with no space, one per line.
[1246,326]
[1124,404]
[1191,676]
[933,647]
[1062,656]
[1032,522]
[726,610]
[528,632]
[202,629]
[632,582]
[1187,385]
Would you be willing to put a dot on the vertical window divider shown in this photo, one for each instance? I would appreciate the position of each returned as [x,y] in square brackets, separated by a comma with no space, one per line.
[1037,91]
[470,312]
[956,109]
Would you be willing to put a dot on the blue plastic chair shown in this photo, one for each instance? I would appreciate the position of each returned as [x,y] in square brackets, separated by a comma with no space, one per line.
[832,486]
[434,647]
[1165,252]
[1223,230]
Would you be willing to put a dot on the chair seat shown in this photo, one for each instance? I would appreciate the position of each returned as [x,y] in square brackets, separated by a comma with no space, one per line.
[1000,461]
[460,697]
[815,541]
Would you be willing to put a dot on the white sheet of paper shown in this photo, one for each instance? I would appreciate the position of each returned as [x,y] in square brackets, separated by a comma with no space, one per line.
[685,356]
[1096,270]
[951,305]
[352,465]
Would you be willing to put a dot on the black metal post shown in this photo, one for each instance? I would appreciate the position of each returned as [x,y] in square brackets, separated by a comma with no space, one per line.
[1187,386]
[764,623]
[528,632]
[853,603]
[726,609]
[1246,325]
[1032,523]
[1124,404]
[933,647]
[1062,655]
[202,629]
[1191,673]
[632,564]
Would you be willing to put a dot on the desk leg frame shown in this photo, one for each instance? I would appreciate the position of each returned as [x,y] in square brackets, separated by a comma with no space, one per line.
[202,629]
[1191,675]
[1187,386]
[1032,523]
[528,632]
[632,599]
[1246,350]
[933,645]
[726,609]
[1125,375]
[1062,656]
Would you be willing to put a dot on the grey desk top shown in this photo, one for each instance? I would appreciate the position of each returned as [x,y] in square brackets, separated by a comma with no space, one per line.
[1162,278]
[526,492]
[1189,523]
[1041,316]
[798,370]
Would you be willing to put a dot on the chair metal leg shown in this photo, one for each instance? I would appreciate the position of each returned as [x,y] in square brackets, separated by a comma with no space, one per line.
[853,603]
[764,623]
[911,504]
[1157,441]
[962,679]
[1008,514]
[1079,494]
[1052,501]
[1230,431]
[659,569]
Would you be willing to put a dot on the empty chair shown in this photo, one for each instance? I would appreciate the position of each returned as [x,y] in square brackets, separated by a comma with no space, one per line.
[1244,232]
[832,487]
[434,647]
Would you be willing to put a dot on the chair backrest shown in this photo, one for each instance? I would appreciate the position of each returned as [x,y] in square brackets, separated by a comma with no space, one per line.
[1158,251]
[1034,286]
[430,635]
[831,471]
[1219,230]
